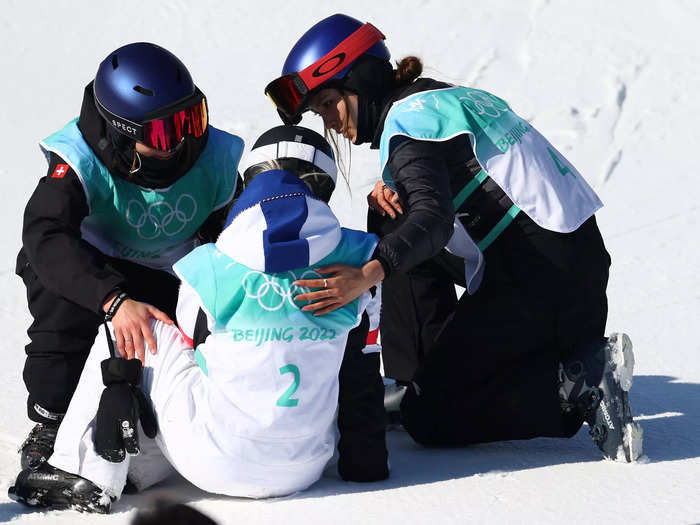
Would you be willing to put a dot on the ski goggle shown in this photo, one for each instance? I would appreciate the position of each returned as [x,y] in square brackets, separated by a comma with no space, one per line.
[167,127]
[290,93]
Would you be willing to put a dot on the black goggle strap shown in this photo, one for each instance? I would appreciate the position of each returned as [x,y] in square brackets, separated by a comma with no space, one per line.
[124,126]
[170,110]
[135,130]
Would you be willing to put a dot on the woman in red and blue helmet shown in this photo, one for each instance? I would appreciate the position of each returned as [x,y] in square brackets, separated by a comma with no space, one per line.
[131,185]
[523,353]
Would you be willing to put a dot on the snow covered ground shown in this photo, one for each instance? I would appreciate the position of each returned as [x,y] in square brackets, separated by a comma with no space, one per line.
[613,85]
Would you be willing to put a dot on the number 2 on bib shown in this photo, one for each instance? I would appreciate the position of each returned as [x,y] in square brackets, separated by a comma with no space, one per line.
[285,399]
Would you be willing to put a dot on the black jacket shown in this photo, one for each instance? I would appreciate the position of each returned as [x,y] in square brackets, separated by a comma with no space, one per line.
[51,240]
[427,176]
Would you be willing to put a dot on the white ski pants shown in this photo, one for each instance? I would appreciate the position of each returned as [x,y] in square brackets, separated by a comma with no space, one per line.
[189,433]
[74,450]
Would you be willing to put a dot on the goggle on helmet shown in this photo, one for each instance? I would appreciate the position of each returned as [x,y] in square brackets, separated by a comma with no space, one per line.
[325,52]
[146,93]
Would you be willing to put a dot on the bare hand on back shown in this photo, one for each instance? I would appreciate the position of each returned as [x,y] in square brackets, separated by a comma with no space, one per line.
[383,200]
[132,327]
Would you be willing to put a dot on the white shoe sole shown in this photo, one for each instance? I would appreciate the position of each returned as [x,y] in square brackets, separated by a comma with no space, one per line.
[621,357]
[620,354]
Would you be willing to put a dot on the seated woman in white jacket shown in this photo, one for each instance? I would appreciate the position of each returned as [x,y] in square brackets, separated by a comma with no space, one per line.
[247,393]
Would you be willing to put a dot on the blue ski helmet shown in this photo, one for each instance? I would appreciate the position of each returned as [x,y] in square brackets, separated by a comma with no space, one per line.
[322,38]
[143,83]
[323,56]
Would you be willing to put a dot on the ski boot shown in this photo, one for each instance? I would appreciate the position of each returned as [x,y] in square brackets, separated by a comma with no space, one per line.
[50,487]
[393,394]
[38,446]
[597,385]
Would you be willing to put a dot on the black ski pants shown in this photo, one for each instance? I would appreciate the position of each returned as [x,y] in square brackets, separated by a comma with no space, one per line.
[415,306]
[63,332]
[491,375]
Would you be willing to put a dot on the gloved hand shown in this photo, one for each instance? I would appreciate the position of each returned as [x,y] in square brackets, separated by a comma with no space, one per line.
[121,406]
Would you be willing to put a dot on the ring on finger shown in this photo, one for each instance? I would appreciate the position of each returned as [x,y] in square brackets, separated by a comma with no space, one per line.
[127,340]
[325,283]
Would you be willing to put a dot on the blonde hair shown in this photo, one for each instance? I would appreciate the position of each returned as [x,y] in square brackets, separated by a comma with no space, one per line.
[319,182]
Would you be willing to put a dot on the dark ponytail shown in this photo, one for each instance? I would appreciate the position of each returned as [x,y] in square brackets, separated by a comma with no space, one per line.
[407,70]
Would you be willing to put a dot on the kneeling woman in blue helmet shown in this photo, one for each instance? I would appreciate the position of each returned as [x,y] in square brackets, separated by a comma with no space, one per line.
[246,396]
[471,194]
[133,184]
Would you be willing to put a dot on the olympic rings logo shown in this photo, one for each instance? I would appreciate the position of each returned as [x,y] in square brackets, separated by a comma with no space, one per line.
[271,292]
[161,217]
[485,103]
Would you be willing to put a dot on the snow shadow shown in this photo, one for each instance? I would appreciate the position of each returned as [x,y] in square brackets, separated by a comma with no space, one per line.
[10,510]
[413,464]
[669,412]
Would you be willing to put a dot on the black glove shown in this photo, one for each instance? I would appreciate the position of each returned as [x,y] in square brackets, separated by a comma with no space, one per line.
[121,406]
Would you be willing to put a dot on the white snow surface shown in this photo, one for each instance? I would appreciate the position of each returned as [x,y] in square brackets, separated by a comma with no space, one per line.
[614,85]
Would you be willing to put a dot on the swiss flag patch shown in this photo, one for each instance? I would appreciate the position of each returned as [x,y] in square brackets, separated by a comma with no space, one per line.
[60,171]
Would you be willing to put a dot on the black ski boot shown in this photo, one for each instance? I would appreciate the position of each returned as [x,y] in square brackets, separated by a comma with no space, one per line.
[597,385]
[38,446]
[53,488]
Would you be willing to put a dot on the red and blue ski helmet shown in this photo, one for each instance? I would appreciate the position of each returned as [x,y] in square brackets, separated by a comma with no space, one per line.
[322,38]
[324,55]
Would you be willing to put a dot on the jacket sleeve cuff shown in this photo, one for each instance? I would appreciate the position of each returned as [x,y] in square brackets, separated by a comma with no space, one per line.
[114,289]
[385,265]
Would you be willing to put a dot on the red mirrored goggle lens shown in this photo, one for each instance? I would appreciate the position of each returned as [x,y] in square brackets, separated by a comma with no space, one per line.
[166,133]
[286,94]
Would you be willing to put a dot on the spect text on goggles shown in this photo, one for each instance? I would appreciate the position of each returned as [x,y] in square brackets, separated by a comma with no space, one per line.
[166,128]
